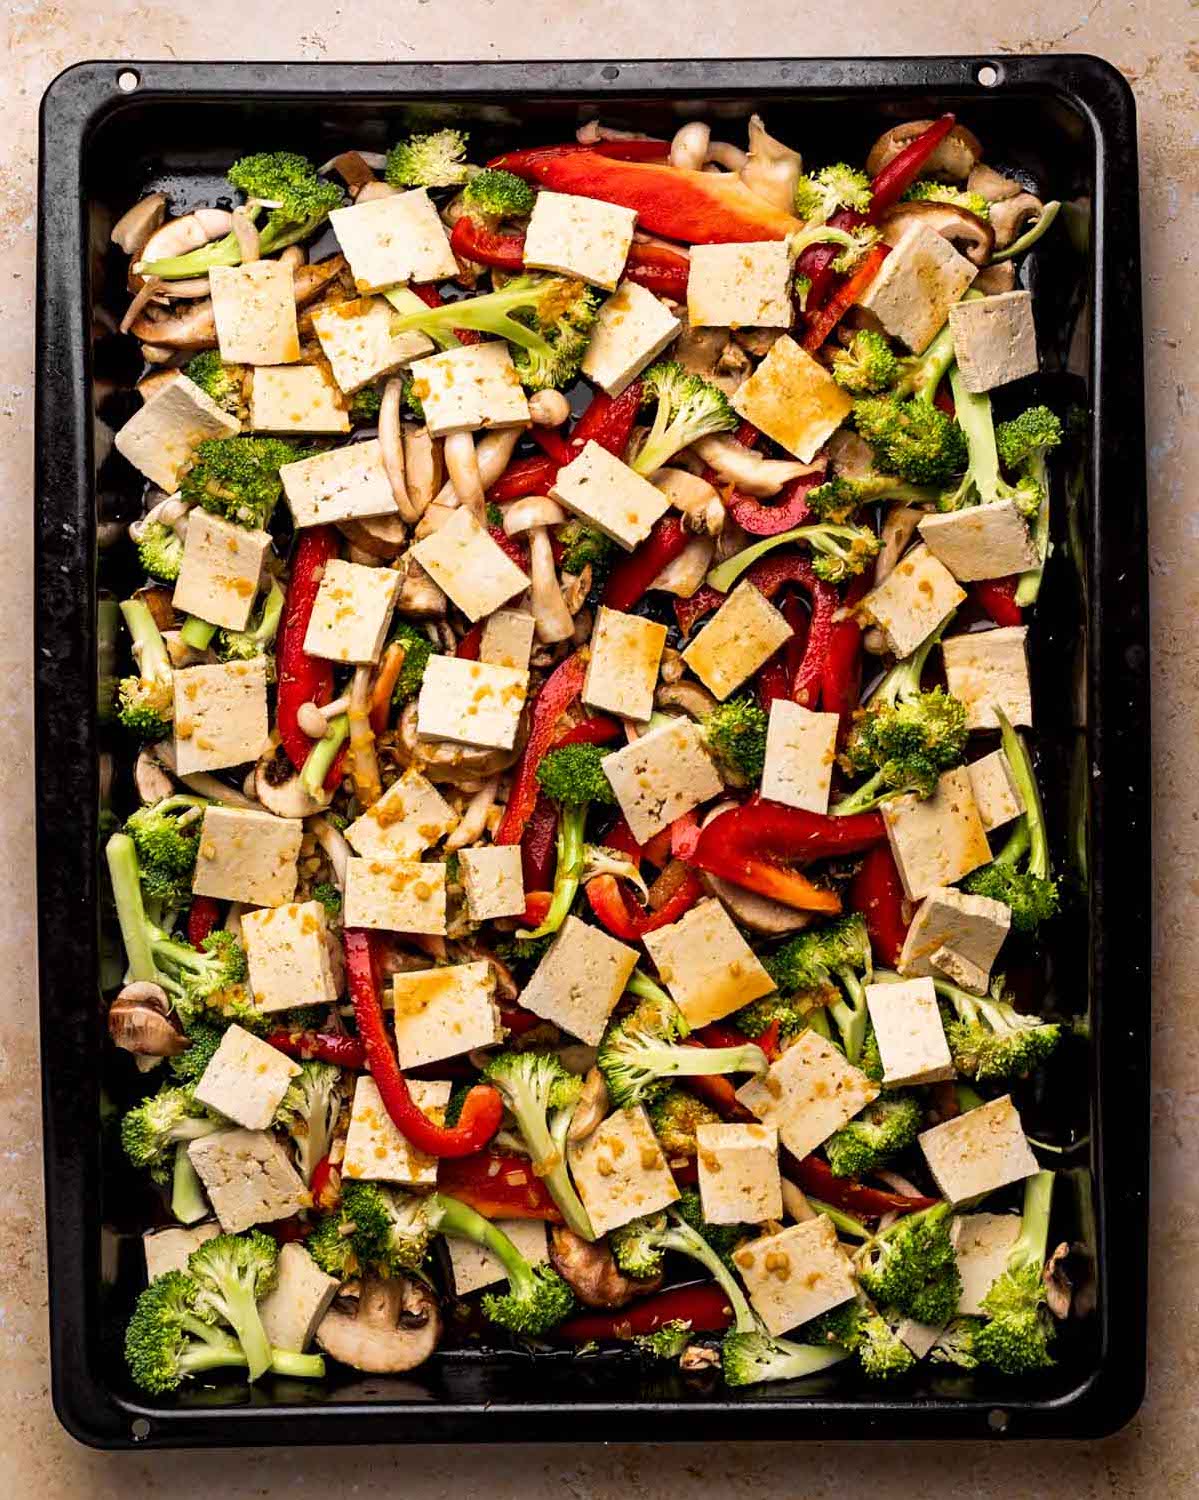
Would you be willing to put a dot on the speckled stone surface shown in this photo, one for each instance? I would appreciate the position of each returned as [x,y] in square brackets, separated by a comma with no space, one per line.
[1156,44]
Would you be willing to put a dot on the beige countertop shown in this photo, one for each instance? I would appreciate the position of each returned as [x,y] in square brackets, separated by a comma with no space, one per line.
[1155,43]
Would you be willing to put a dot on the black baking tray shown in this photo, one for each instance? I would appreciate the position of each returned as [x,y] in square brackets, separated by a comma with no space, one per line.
[113,130]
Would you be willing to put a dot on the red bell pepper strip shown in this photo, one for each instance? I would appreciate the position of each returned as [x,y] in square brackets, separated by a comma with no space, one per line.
[527,476]
[720,1034]
[822,322]
[516,1020]
[538,850]
[490,247]
[325,1186]
[597,730]
[528,162]
[468,646]
[776,677]
[632,575]
[659,270]
[684,835]
[552,444]
[303,678]
[703,1306]
[320,1046]
[431,297]
[608,420]
[816,262]
[876,891]
[537,903]
[816,1177]
[202,917]
[841,672]
[497,1186]
[997,596]
[748,845]
[770,575]
[626,919]
[898,175]
[620,838]
[720,1094]
[761,519]
[483,1109]
[559,690]
[701,603]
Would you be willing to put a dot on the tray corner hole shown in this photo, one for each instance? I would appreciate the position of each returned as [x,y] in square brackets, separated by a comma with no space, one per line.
[987,74]
[128,80]
[611,72]
[139,1429]
[998,1421]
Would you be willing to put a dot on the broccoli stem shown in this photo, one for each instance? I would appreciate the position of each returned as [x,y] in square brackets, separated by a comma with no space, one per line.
[1033,1241]
[865,797]
[572,857]
[197,633]
[1032,821]
[924,374]
[131,912]
[902,683]
[240,1306]
[323,754]
[973,413]
[644,988]
[227,251]
[149,648]
[405,300]
[225,1354]
[188,1202]
[490,313]
[841,1220]
[683,1239]
[298,1366]
[452,1217]
[850,1015]
[1028,586]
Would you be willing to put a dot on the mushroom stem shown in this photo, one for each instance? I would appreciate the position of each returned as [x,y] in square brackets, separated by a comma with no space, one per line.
[391,448]
[689,148]
[364,763]
[337,850]
[554,620]
[145,294]
[422,466]
[189,232]
[246,236]
[462,465]
[749,471]
[474,819]
[492,454]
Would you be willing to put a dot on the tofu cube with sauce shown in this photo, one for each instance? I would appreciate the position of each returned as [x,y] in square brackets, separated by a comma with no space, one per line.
[248,856]
[988,668]
[356,338]
[796,1274]
[249,1178]
[705,963]
[579,980]
[471,702]
[473,570]
[168,1249]
[622,672]
[159,438]
[352,612]
[466,389]
[394,239]
[254,307]
[507,639]
[738,1167]
[474,1267]
[911,1039]
[410,817]
[219,576]
[620,1172]
[973,927]
[793,399]
[345,484]
[660,776]
[982,541]
[493,881]
[395,895]
[919,282]
[914,598]
[741,636]
[740,286]
[978,1151]
[220,715]
[581,237]
[445,1011]
[300,1298]
[995,790]
[245,1079]
[994,339]
[982,1244]
[295,398]
[937,841]
[616,500]
[801,748]
[287,949]
[376,1149]
[809,1092]
[631,330]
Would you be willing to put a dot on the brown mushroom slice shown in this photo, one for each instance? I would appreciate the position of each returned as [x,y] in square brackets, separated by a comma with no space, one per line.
[695,701]
[278,787]
[684,575]
[966,232]
[387,1328]
[140,1021]
[353,171]
[379,536]
[697,501]
[953,160]
[1011,217]
[443,760]
[990,184]
[592,1109]
[150,779]
[419,596]
[591,1272]
[999,276]
[194,327]
[133,229]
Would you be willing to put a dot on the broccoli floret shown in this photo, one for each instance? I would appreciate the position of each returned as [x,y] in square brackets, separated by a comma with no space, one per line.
[760,1015]
[724,1239]
[810,963]
[906,745]
[573,777]
[990,1040]
[203,1040]
[840,552]
[675,1114]
[329,897]
[160,551]
[151,1130]
[232,1272]
[982,483]
[525,311]
[639,1247]
[925,190]
[871,1061]
[913,439]
[1024,445]
[867,366]
[365,404]
[168,1340]
[839,498]
[857,1328]
[567,325]
[956,1345]
[537,1297]
[245,645]
[640,1054]
[819,195]
[238,477]
[1018,1333]
[166,836]
[522,954]
[435,160]
[222,383]
[874,1137]
[391,1230]
[145,702]
[667,1342]
[308,1112]
[493,195]
[583,546]
[801,287]
[912,1266]
[686,409]
[542,1095]
[920,375]
[418,648]
[735,734]
[755,1357]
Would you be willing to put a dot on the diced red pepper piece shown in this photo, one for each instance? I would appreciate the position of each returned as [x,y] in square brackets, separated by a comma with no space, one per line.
[657,849]
[474,241]
[719,1093]
[626,919]
[822,322]
[516,1020]
[512,547]
[608,420]
[631,577]
[662,271]
[202,918]
[560,689]
[537,904]
[876,891]
[303,678]
[497,1186]
[816,1177]
[528,162]
[325,1186]
[703,1306]
[468,646]
[552,444]
[776,677]
[527,476]
[997,596]
[701,603]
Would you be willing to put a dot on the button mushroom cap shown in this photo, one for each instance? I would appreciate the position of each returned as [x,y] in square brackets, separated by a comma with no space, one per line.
[591,1271]
[152,781]
[952,160]
[382,1327]
[139,1021]
[969,234]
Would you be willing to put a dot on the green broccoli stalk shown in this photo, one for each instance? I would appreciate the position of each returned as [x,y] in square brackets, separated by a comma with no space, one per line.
[874,1137]
[755,1357]
[323,754]
[222,383]
[232,1272]
[854,242]
[819,195]
[418,648]
[377,1229]
[523,311]
[542,1096]
[188,1201]
[982,483]
[1020,875]
[573,777]
[299,203]
[1024,445]
[735,736]
[816,961]
[991,1041]
[686,408]
[901,685]
[493,195]
[867,366]
[238,477]
[1030,236]
[913,439]
[308,1112]
[840,552]
[920,375]
[436,160]
[408,304]
[675,1114]
[912,1267]
[537,1297]
[903,745]
[856,1328]
[839,498]
[160,551]
[151,1130]
[245,645]
[926,190]
[1017,1335]
[166,838]
[146,702]
[640,1054]
[583,546]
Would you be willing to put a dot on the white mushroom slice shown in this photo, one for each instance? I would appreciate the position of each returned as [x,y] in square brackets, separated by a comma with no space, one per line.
[689,148]
[771,170]
[749,471]
[388,1327]
[278,787]
[189,232]
[133,229]
[246,234]
[462,466]
[422,466]
[696,499]
[391,448]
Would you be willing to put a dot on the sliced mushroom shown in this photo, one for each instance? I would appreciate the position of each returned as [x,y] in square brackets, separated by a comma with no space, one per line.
[133,229]
[443,760]
[1010,218]
[278,787]
[246,235]
[592,1109]
[684,575]
[422,466]
[689,148]
[548,408]
[694,700]
[462,466]
[391,449]
[381,537]
[758,341]
[419,596]
[590,1270]
[749,471]
[335,846]
[150,385]
[353,170]
[203,784]
[195,326]
[999,276]
[140,1021]
[1059,1286]
[492,453]
[953,160]
[969,234]
[991,185]
[189,232]
[850,455]
[771,170]
[151,781]
[382,1327]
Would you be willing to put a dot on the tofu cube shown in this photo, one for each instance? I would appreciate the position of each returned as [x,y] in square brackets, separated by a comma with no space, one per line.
[444,1012]
[740,286]
[796,1274]
[982,541]
[407,819]
[300,1298]
[793,399]
[388,240]
[739,1180]
[631,330]
[995,790]
[801,747]
[395,895]
[507,639]
[978,1151]
[476,573]
[580,979]
[622,673]
[705,963]
[159,438]
[744,633]
[919,282]
[580,237]
[971,926]
[994,339]
[661,776]
[246,855]
[287,949]
[914,598]
[960,970]
[988,668]
[469,388]
[249,1178]
[245,1079]
[620,1172]
[982,1244]
[809,1092]
[168,1249]
[376,1151]
[920,1338]
[352,612]
[911,1039]
[938,841]
[255,311]
[470,702]
[606,492]
[222,564]
[493,880]
[296,398]
[220,715]
[474,1267]
[356,338]
[345,484]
